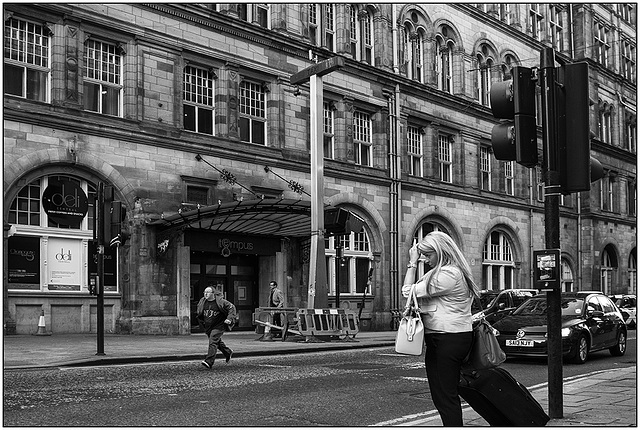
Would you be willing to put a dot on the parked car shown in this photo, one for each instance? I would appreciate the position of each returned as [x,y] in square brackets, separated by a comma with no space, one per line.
[590,322]
[627,305]
[496,304]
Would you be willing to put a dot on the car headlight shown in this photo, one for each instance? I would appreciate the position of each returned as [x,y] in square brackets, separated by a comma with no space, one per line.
[565,332]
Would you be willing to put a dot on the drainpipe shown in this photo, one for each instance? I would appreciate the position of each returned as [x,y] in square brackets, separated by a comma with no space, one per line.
[571,53]
[394,33]
[531,285]
[393,198]
[580,252]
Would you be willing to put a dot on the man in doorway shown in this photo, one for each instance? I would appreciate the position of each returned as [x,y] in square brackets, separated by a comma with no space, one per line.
[276,300]
[216,315]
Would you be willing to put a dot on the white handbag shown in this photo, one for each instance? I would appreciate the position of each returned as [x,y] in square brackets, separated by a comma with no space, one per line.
[410,336]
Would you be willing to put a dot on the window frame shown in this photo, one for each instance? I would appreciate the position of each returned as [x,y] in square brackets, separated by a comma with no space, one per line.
[415,150]
[26,67]
[356,249]
[103,86]
[198,106]
[261,106]
[445,158]
[365,129]
[485,168]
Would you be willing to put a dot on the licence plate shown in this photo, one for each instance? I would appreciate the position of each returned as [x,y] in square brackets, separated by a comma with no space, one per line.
[519,342]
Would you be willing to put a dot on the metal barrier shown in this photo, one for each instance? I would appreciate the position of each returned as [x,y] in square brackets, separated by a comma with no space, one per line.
[263,319]
[328,322]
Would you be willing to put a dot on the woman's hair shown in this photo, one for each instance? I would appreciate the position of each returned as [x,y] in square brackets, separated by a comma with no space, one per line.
[448,253]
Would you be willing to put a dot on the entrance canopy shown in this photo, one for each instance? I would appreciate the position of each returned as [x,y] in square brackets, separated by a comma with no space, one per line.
[275,217]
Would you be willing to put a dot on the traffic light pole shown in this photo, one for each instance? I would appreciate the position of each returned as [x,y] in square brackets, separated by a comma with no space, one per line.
[99,213]
[552,225]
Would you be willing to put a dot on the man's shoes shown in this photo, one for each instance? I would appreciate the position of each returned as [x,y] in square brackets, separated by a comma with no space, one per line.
[207,365]
[228,357]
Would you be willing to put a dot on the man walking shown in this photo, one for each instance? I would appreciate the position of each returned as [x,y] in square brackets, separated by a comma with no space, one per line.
[276,300]
[217,315]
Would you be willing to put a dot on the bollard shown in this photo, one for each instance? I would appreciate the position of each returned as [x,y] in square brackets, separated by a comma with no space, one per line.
[42,326]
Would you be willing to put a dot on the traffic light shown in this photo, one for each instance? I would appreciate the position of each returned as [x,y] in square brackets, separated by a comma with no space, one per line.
[118,215]
[515,101]
[341,221]
[576,167]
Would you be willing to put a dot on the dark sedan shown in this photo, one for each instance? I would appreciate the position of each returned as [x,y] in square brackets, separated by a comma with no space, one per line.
[590,322]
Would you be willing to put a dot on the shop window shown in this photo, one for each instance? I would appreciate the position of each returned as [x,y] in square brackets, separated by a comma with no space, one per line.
[26,60]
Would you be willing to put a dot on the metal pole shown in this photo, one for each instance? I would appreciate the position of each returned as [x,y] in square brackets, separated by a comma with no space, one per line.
[339,254]
[99,213]
[318,294]
[552,226]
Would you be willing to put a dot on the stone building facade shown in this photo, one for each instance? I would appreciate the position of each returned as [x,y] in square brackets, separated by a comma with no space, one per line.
[129,95]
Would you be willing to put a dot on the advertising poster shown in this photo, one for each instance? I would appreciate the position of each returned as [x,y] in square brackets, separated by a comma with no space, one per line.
[24,260]
[64,264]
[110,263]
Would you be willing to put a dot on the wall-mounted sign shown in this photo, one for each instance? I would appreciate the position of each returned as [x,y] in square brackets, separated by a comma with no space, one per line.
[227,245]
[546,270]
[65,202]
[64,264]
[24,260]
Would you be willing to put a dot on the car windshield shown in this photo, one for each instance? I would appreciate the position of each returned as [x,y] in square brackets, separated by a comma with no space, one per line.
[486,297]
[537,306]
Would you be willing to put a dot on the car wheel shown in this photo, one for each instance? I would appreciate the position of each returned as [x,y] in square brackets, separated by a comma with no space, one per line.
[621,345]
[582,350]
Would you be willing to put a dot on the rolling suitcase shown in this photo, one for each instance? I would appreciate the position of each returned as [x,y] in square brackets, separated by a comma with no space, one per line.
[500,399]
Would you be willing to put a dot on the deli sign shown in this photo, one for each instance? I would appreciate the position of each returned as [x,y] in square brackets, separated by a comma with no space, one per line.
[64,202]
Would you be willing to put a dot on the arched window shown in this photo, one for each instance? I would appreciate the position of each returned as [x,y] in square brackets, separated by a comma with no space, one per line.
[497,263]
[413,46]
[424,229]
[361,29]
[52,247]
[566,277]
[353,268]
[608,268]
[444,61]
[483,78]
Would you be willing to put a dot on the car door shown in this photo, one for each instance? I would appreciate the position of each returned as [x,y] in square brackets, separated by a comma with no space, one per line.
[595,320]
[610,323]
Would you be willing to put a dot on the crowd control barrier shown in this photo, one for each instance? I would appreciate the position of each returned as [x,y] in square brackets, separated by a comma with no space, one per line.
[328,322]
[263,319]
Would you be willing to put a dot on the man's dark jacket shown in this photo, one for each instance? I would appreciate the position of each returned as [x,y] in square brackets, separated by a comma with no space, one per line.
[227,308]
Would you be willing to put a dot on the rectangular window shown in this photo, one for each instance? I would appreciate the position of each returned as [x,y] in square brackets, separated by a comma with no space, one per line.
[555,28]
[198,100]
[414,150]
[198,195]
[631,196]
[601,35]
[103,78]
[608,195]
[330,26]
[354,35]
[26,54]
[252,110]
[629,60]
[508,178]
[485,168]
[444,158]
[313,23]
[535,21]
[362,138]
[327,122]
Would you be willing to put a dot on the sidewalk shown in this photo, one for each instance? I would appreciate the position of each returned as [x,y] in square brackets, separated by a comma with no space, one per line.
[607,398]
